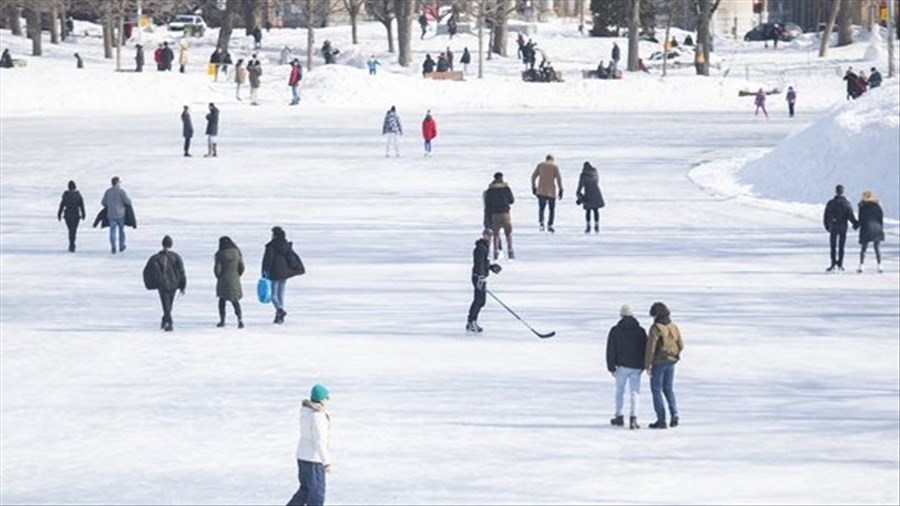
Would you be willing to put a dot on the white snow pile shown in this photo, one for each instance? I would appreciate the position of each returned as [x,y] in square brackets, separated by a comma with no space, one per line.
[854,144]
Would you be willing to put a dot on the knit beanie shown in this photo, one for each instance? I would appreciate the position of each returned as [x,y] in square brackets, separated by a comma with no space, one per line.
[319,393]
[625,311]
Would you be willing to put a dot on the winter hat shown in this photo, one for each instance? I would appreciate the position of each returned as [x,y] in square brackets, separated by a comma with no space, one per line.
[625,310]
[167,242]
[115,180]
[278,232]
[319,393]
[498,176]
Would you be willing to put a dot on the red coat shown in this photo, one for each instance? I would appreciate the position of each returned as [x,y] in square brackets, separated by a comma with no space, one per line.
[296,76]
[429,128]
[158,55]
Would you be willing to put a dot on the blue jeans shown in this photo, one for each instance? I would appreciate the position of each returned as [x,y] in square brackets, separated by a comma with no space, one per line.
[544,202]
[631,377]
[278,293]
[295,89]
[428,146]
[312,485]
[117,223]
[661,378]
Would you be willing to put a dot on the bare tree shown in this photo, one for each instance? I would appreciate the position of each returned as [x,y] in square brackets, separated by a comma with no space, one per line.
[826,36]
[634,20]
[11,11]
[405,11]
[251,14]
[845,23]
[54,6]
[311,10]
[383,11]
[33,25]
[704,10]
[354,7]
[231,13]
[499,16]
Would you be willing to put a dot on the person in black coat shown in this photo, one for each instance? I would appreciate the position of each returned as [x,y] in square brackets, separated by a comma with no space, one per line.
[280,263]
[625,349]
[170,276]
[212,130]
[497,199]
[589,195]
[187,130]
[427,65]
[72,207]
[852,83]
[138,58]
[871,227]
[167,57]
[481,268]
[837,213]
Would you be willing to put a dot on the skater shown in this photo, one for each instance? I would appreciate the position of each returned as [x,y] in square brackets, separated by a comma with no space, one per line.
[228,268]
[167,272]
[71,205]
[115,201]
[79,63]
[465,59]
[254,71]
[187,130]
[280,263]
[497,199]
[138,58]
[313,457]
[871,227]
[760,102]
[212,130]
[481,268]
[373,65]
[837,213]
[664,346]
[392,128]
[544,181]
[791,100]
[294,81]
[429,131]
[874,78]
[240,78]
[423,24]
[625,348]
[182,57]
[589,195]
[256,33]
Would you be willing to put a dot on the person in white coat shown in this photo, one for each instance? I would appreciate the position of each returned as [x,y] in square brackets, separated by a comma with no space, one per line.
[313,459]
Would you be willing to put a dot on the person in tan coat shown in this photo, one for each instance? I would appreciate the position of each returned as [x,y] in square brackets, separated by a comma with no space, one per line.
[544,183]
[664,347]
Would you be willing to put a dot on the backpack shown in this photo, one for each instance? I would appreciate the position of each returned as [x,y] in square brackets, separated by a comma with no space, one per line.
[152,274]
[667,344]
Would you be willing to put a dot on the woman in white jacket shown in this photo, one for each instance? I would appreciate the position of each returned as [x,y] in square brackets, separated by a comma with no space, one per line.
[313,460]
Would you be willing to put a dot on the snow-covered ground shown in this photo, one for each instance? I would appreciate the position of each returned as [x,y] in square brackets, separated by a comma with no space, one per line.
[789,389]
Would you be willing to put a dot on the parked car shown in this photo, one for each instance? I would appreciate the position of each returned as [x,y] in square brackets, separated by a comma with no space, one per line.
[188,23]
[770,31]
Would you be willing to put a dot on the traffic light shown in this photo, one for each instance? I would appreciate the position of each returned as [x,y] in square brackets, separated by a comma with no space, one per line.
[758,6]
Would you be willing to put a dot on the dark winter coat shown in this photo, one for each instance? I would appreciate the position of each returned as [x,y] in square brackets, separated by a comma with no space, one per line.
[852,84]
[874,79]
[498,198]
[616,53]
[216,57]
[254,70]
[72,205]
[103,221]
[481,265]
[871,222]
[275,264]
[626,345]
[187,128]
[466,58]
[171,271]
[167,57]
[212,121]
[589,189]
[139,57]
[428,65]
[228,269]
[837,213]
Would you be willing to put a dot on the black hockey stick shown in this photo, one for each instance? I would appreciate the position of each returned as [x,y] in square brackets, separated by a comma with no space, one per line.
[542,336]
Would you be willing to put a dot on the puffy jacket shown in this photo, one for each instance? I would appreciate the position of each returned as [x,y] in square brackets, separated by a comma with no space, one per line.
[315,428]
[429,128]
[480,263]
[626,345]
[275,264]
[171,271]
[296,75]
[212,121]
[72,205]
[498,198]
[391,124]
[871,222]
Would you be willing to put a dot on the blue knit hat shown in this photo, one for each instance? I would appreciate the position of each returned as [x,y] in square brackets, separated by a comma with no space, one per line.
[319,393]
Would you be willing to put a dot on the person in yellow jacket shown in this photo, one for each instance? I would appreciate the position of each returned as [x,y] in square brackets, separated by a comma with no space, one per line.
[663,351]
[544,183]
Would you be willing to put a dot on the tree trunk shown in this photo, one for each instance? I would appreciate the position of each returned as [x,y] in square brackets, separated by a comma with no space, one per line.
[701,60]
[845,20]
[310,44]
[404,10]
[826,35]
[500,28]
[63,32]
[33,18]
[107,36]
[633,23]
[231,10]
[54,27]
[353,34]
[15,22]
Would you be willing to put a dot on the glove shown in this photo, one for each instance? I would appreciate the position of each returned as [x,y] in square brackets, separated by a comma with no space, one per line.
[578,200]
[560,194]
[495,268]
[534,190]
[479,282]
[856,226]
[59,218]
[182,291]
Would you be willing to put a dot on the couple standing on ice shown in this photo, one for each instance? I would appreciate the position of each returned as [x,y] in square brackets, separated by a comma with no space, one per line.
[392,128]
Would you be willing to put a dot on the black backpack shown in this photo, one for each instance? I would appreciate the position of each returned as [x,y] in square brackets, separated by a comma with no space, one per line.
[152,274]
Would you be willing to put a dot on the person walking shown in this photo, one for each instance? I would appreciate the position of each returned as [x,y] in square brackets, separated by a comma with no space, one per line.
[71,206]
[837,213]
[497,200]
[429,131]
[212,130]
[871,227]
[465,59]
[373,65]
[79,62]
[294,81]
[228,268]
[589,196]
[313,456]
[616,55]
[481,268]
[392,128]
[182,56]
[115,200]
[760,101]
[625,350]
[165,271]
[544,182]
[280,263]
[423,24]
[664,347]
[215,59]
[187,130]
[254,71]
[138,58]
[852,83]
[240,78]
[791,98]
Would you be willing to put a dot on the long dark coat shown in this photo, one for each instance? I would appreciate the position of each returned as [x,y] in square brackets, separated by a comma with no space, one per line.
[589,189]
[72,205]
[187,128]
[228,269]
[275,265]
[212,121]
[838,212]
[871,222]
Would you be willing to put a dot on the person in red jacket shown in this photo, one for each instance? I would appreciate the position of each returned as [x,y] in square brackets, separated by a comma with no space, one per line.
[429,131]
[294,81]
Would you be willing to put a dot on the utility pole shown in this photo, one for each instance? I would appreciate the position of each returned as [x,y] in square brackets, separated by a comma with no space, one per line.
[892,71]
[140,36]
[480,39]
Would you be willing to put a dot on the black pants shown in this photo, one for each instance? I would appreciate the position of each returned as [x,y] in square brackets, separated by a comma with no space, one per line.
[187,145]
[862,252]
[542,203]
[837,241]
[167,298]
[791,109]
[72,225]
[234,304]
[595,212]
[478,300]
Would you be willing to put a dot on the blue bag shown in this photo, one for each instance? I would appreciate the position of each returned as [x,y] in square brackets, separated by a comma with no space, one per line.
[264,290]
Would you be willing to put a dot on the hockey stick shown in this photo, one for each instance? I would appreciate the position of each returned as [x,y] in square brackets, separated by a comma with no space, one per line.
[542,336]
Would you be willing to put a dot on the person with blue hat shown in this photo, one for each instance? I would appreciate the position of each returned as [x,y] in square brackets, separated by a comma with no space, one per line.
[313,459]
